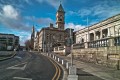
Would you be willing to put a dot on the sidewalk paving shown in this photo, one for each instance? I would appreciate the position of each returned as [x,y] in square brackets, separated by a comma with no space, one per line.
[4,55]
[93,71]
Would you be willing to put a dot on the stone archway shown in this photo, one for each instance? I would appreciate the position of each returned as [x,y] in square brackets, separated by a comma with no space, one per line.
[97,34]
[91,36]
[104,33]
[82,40]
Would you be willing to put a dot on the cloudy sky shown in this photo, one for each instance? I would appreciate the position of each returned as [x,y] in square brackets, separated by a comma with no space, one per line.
[18,16]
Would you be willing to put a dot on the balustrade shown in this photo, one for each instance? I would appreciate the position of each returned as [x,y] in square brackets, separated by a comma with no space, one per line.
[79,46]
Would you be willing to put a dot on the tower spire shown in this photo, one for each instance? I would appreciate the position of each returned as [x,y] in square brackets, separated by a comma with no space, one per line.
[60,1]
[60,17]
[60,9]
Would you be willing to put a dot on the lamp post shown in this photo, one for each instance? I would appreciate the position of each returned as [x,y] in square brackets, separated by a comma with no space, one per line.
[71,48]
[44,44]
[72,69]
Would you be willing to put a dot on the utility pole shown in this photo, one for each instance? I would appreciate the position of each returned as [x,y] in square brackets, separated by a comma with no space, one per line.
[88,29]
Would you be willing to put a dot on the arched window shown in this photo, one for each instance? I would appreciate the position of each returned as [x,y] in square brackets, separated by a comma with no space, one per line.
[60,18]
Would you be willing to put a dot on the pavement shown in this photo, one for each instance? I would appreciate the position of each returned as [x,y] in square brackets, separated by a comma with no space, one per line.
[91,71]
[4,55]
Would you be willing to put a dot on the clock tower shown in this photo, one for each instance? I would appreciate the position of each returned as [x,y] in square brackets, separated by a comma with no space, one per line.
[60,18]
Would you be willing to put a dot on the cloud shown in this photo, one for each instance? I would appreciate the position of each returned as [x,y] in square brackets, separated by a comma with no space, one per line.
[15,3]
[23,37]
[40,21]
[84,12]
[101,9]
[54,3]
[72,13]
[74,26]
[11,18]
[45,21]
[10,12]
[105,10]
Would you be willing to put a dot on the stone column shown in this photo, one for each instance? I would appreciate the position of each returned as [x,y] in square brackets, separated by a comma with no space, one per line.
[114,34]
[111,42]
[86,44]
[88,36]
[101,34]
[94,35]
[109,33]
[77,39]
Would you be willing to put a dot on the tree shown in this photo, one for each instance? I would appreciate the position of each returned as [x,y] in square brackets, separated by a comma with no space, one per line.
[28,44]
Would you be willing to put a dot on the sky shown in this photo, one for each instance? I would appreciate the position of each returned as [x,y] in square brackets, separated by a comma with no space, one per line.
[18,16]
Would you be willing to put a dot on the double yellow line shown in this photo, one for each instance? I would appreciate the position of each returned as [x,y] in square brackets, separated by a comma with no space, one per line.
[58,70]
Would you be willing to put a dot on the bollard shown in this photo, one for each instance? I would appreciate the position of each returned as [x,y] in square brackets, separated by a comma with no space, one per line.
[55,57]
[68,64]
[58,59]
[72,73]
[62,62]
[50,55]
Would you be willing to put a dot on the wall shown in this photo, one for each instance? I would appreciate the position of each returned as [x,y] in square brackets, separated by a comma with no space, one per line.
[105,55]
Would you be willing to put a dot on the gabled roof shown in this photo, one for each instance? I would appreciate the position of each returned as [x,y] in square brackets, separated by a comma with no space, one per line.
[61,8]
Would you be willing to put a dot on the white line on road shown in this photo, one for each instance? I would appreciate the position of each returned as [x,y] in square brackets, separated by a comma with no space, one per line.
[20,78]
[17,66]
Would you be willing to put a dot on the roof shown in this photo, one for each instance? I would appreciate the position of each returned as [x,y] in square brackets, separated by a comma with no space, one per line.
[61,8]
[99,22]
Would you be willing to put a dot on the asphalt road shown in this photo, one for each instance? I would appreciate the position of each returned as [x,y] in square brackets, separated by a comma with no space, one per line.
[29,66]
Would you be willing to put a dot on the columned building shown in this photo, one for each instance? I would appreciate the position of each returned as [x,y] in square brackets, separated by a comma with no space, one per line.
[102,30]
[99,43]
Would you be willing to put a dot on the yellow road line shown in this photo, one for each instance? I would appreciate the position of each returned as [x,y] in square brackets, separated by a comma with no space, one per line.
[55,69]
[58,73]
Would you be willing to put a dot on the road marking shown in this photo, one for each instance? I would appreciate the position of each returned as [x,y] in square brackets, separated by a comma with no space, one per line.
[55,69]
[20,78]
[58,71]
[17,66]
[18,57]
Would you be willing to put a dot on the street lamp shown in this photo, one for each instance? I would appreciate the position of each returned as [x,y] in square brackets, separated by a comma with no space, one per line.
[71,45]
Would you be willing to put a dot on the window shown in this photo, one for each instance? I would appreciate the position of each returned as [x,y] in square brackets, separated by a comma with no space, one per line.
[60,18]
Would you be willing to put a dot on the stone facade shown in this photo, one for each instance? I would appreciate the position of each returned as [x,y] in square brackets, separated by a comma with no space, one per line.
[99,43]
[8,42]
[104,29]
[51,36]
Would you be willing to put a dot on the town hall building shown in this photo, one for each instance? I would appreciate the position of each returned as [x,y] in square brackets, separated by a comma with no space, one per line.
[50,37]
